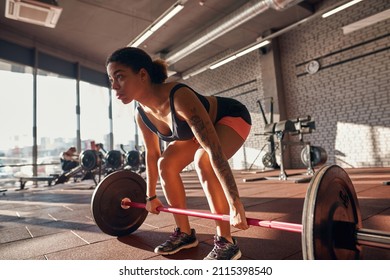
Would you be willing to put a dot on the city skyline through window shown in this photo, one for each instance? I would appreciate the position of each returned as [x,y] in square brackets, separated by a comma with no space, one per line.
[56,118]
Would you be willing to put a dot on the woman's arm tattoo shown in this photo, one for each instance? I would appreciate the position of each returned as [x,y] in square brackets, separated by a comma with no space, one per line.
[199,126]
[225,173]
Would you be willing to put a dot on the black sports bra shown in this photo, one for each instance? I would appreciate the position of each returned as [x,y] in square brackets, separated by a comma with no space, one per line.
[181,130]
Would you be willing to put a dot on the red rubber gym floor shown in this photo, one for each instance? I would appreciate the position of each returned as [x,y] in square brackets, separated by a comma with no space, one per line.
[55,223]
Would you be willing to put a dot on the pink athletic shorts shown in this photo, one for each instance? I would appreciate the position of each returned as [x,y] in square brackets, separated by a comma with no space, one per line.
[238,124]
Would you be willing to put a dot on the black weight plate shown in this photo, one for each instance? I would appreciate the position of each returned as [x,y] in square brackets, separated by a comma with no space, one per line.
[106,208]
[268,160]
[89,159]
[114,159]
[318,156]
[331,216]
[305,156]
[133,158]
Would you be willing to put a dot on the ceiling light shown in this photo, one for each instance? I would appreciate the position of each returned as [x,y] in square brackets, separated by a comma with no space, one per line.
[366,22]
[44,13]
[222,62]
[241,52]
[171,73]
[340,8]
[196,72]
[143,37]
[170,13]
[255,47]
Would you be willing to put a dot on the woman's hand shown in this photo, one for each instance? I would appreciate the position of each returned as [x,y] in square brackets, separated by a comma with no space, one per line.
[151,206]
[237,216]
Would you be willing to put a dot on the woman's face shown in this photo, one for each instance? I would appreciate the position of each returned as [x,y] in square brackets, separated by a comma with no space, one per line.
[124,81]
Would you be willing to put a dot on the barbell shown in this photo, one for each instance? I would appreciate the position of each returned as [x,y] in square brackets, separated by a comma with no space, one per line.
[331,221]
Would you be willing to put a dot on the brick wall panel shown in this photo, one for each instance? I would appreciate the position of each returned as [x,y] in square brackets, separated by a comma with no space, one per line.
[349,101]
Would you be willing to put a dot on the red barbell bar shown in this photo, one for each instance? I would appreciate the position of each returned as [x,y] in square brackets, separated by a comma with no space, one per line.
[127,203]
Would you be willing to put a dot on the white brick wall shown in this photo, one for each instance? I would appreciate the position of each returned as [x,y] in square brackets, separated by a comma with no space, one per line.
[350,101]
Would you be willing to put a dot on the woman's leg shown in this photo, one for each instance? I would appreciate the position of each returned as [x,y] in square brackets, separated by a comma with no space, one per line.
[174,159]
[231,142]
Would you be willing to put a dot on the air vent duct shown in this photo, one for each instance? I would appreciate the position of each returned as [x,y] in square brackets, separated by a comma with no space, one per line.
[45,13]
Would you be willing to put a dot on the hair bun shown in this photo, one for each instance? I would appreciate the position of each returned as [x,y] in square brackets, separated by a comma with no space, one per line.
[160,73]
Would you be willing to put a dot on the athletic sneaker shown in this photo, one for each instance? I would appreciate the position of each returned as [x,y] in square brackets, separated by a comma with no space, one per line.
[177,241]
[224,250]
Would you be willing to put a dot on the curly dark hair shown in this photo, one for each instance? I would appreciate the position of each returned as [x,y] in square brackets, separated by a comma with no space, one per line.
[137,59]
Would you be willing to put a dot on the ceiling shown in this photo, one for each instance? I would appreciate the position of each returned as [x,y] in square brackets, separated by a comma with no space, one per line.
[92,29]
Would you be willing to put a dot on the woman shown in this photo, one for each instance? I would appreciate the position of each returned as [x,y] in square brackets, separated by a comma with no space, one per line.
[204,129]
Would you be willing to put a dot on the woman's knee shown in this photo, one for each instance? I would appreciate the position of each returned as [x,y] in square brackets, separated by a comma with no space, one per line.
[163,164]
[168,166]
[202,164]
